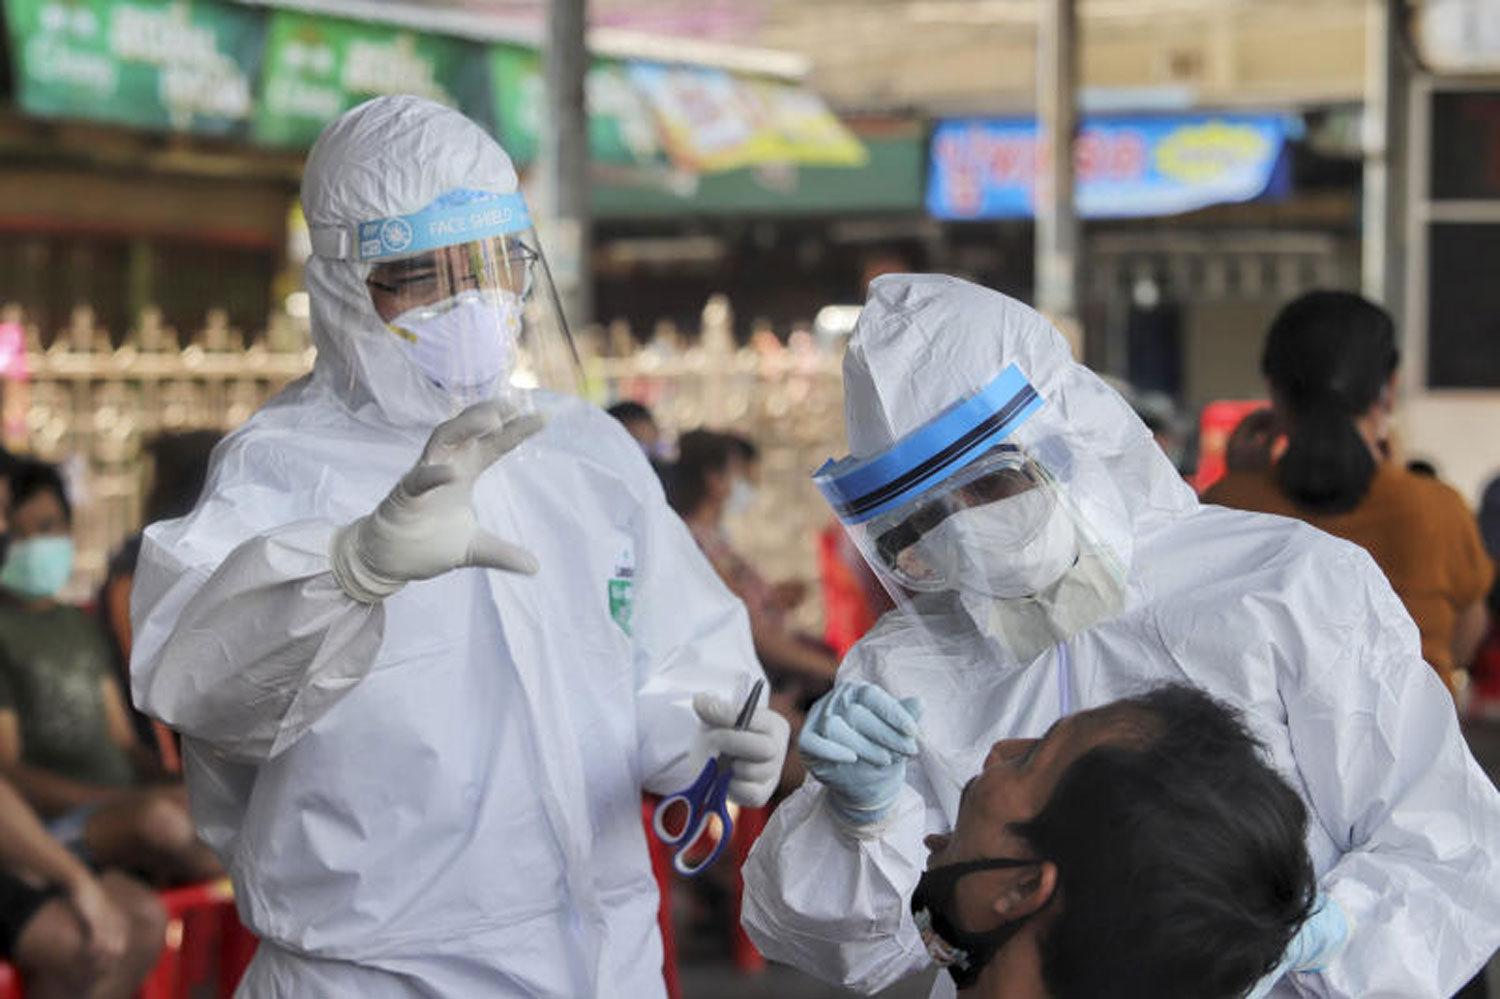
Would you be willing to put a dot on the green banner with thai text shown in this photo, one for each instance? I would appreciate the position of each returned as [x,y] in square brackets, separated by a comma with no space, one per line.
[622,128]
[166,64]
[316,68]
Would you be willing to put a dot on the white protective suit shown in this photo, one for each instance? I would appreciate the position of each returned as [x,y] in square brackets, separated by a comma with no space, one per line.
[1298,629]
[439,794]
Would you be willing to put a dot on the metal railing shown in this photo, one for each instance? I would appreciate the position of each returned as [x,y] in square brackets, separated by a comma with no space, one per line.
[90,401]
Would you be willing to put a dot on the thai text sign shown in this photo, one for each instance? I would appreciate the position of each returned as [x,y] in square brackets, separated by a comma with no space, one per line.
[989,168]
[152,63]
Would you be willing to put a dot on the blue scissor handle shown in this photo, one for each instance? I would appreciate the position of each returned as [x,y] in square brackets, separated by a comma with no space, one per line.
[704,799]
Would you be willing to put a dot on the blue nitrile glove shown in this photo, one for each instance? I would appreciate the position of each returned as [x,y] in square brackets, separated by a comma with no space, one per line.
[856,741]
[1318,942]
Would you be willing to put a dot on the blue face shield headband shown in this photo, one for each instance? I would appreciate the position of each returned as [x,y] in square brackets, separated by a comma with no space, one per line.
[862,489]
[460,216]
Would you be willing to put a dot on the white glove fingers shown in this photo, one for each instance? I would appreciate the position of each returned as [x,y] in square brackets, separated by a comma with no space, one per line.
[874,728]
[752,792]
[490,552]
[841,732]
[715,712]
[478,419]
[890,710]
[815,746]
[508,437]
[743,744]
[425,478]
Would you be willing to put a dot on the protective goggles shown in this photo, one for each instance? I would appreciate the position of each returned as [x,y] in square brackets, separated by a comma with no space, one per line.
[1004,473]
[428,279]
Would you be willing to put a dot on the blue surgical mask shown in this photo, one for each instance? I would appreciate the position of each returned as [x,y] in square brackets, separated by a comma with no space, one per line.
[38,567]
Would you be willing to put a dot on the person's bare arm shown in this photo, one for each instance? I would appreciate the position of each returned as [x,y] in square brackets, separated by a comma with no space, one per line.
[122,732]
[1469,630]
[26,846]
[48,793]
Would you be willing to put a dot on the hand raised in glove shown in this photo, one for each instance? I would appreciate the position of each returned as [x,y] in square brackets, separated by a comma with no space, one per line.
[426,526]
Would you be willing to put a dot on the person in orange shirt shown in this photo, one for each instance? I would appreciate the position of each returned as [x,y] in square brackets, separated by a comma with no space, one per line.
[1330,358]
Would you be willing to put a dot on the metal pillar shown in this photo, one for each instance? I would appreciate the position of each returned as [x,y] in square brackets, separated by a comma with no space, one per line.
[563,168]
[1057,121]
[1385,153]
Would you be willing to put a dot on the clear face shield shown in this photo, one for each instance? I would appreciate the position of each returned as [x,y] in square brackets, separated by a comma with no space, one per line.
[463,286]
[965,509]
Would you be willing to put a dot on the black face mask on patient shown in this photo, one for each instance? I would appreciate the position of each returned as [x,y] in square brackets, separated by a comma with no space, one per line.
[934,906]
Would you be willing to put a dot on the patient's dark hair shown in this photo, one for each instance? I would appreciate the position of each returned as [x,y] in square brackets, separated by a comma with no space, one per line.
[1181,862]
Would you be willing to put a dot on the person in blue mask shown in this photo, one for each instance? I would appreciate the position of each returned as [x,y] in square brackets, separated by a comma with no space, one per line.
[66,740]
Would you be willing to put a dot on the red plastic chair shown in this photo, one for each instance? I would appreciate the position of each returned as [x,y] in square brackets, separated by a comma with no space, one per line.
[10,982]
[747,828]
[661,867]
[205,945]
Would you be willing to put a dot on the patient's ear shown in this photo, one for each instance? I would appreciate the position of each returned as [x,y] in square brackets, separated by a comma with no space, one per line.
[1024,890]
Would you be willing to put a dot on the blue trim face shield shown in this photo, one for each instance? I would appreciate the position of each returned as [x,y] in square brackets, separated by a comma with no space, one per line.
[463,285]
[964,504]
[921,461]
[964,458]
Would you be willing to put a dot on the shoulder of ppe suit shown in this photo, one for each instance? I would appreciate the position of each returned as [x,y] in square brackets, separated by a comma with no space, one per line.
[593,436]
[1332,589]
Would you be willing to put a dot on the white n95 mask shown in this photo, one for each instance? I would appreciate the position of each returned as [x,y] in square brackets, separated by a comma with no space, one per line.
[1008,549]
[466,343]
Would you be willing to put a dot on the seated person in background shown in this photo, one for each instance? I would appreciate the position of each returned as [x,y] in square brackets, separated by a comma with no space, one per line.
[640,424]
[709,480]
[788,594]
[65,736]
[1252,445]
[1141,850]
[179,465]
[71,935]
[1330,359]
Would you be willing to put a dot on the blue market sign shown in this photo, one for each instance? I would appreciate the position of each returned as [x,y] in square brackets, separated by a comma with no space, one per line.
[987,168]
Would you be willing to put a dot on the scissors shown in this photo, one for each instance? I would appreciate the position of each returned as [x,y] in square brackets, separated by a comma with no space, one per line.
[701,802]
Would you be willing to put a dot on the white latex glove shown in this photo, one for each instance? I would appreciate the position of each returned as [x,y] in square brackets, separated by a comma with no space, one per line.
[426,526]
[757,751]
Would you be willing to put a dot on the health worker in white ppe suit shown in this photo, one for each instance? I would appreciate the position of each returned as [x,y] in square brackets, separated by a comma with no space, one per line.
[419,749]
[1046,558]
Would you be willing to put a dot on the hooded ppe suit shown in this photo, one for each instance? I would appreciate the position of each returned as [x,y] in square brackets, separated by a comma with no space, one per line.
[437,794]
[1298,629]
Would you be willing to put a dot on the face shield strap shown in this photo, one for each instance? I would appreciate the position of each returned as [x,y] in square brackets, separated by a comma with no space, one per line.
[859,489]
[461,216]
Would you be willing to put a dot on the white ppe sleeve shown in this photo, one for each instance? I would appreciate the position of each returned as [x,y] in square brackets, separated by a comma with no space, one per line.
[835,904]
[1389,777]
[690,633]
[246,656]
